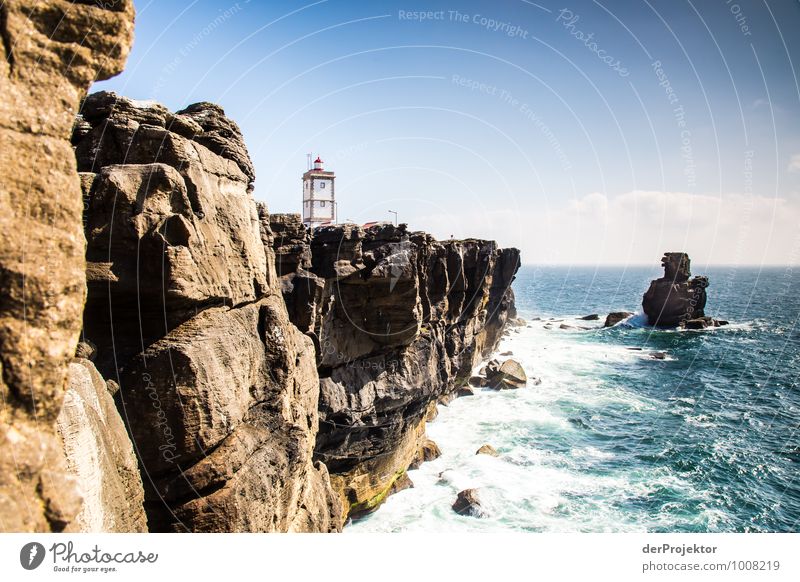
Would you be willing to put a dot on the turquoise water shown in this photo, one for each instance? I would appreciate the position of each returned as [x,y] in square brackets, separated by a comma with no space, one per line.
[706,439]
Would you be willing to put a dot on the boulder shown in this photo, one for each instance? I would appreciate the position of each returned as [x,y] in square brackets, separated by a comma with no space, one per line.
[428,451]
[487,450]
[52,51]
[615,317]
[702,323]
[468,503]
[675,297]
[465,391]
[86,350]
[510,374]
[592,317]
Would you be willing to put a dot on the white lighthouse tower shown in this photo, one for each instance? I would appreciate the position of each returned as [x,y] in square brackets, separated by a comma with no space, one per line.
[319,199]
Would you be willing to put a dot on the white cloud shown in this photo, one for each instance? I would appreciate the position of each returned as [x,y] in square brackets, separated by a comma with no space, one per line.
[636,228]
[794,163]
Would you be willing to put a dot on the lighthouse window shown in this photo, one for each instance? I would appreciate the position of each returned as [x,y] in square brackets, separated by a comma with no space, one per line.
[322,185]
[322,204]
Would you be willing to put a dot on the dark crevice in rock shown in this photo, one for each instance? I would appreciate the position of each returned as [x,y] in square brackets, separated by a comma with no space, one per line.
[8,46]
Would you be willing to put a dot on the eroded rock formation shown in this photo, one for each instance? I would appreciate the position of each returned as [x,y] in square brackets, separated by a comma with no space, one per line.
[677,298]
[399,323]
[218,388]
[51,52]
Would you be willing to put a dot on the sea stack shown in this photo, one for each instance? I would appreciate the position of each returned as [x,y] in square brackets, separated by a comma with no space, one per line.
[677,298]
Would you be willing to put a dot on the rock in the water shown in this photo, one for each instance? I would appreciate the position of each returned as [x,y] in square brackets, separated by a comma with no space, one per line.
[592,317]
[465,391]
[702,323]
[675,298]
[508,353]
[428,451]
[487,450]
[659,355]
[50,54]
[510,374]
[477,381]
[491,368]
[615,317]
[566,326]
[468,503]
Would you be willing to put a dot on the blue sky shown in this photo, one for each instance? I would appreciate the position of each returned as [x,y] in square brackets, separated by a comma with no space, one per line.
[548,126]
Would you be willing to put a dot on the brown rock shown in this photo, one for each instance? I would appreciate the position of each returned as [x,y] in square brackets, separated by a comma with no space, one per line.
[702,323]
[235,409]
[592,317]
[487,450]
[171,226]
[510,374]
[468,503]
[86,350]
[675,298]
[465,391]
[51,52]
[615,317]
[428,451]
[219,389]
[401,484]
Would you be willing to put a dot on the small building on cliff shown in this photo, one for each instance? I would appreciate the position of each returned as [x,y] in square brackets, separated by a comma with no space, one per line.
[319,197]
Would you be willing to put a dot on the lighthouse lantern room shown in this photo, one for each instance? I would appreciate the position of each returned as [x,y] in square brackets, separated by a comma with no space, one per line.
[319,199]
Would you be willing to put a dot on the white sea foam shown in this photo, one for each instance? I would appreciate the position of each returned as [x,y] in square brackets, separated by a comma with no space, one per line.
[547,478]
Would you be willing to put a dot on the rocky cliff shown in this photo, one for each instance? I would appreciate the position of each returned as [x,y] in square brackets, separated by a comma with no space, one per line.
[399,321]
[223,359]
[218,389]
[51,52]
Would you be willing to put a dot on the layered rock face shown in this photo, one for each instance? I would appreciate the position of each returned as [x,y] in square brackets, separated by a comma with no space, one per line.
[218,389]
[675,298]
[401,322]
[51,52]
[100,455]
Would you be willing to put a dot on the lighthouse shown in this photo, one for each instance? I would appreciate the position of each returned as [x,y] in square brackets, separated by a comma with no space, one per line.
[319,199]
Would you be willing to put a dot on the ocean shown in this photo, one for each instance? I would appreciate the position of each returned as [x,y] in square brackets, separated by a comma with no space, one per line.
[706,439]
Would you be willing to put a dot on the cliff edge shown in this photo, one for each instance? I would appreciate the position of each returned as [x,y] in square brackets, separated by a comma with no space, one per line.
[399,321]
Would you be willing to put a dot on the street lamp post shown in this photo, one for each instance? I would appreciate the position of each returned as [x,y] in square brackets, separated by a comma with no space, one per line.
[395,216]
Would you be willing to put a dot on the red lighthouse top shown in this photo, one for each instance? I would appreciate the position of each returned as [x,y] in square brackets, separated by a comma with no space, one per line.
[318,163]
